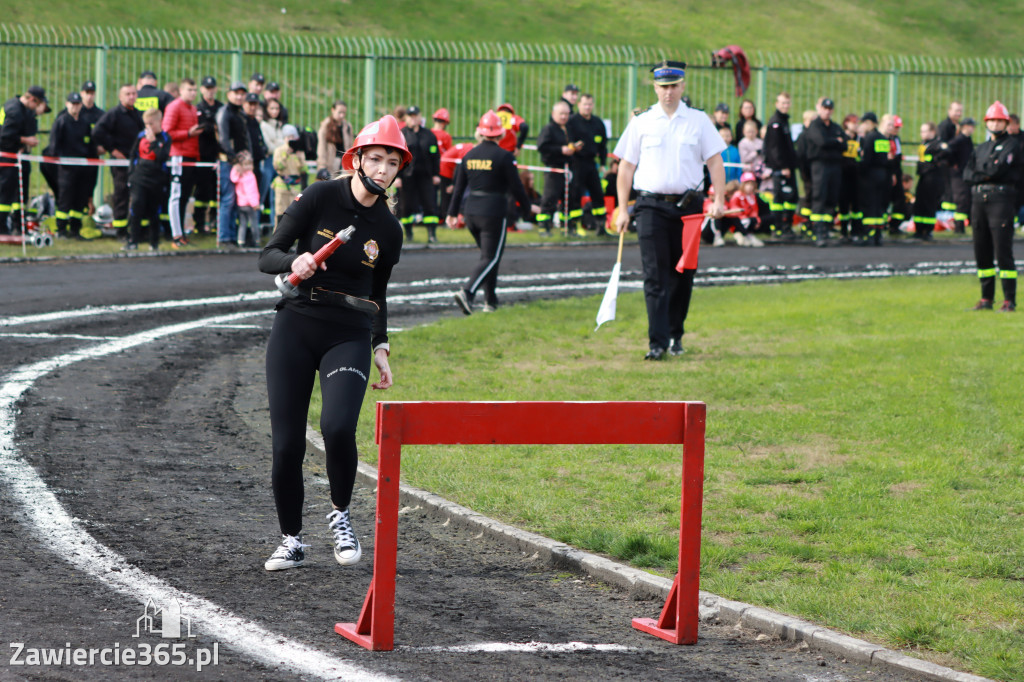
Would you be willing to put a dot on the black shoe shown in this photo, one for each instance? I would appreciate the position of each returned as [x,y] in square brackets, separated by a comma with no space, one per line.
[676,347]
[655,354]
[1008,307]
[983,304]
[288,555]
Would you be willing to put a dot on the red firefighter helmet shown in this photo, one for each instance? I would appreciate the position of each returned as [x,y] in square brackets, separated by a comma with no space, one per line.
[441,115]
[997,112]
[382,133]
[490,125]
[507,107]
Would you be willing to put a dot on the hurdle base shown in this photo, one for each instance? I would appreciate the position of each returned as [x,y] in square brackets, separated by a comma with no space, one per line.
[349,631]
[650,626]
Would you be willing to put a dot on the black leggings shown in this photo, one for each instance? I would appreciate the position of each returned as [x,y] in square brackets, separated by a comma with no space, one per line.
[299,346]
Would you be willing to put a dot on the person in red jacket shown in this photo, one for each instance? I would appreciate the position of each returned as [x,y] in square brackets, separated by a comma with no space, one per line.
[441,121]
[181,123]
[746,220]
[449,161]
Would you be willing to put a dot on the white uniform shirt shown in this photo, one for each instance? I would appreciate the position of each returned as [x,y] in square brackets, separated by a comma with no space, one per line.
[669,152]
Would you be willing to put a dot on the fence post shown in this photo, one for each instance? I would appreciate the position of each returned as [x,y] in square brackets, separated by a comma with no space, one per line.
[762,91]
[370,88]
[98,191]
[236,64]
[631,90]
[499,82]
[893,91]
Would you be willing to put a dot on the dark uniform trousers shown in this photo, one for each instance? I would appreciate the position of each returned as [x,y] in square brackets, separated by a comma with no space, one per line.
[585,178]
[489,233]
[667,292]
[419,195]
[826,177]
[72,198]
[11,201]
[850,200]
[784,201]
[992,212]
[554,193]
[926,203]
[147,205]
[119,199]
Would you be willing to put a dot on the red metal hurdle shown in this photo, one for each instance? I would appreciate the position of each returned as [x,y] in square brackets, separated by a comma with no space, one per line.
[534,423]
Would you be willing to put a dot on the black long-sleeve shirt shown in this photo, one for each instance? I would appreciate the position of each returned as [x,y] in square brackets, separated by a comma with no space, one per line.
[232,131]
[149,162]
[360,267]
[118,129]
[18,121]
[824,141]
[998,161]
[207,114]
[490,173]
[779,152]
[71,137]
[426,156]
[550,142]
[592,133]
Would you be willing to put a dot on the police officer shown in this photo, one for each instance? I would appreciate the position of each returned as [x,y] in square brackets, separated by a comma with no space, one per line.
[588,129]
[662,155]
[116,132]
[205,204]
[825,143]
[930,183]
[993,172]
[556,149]
[420,178]
[489,172]
[18,128]
[780,157]
[70,138]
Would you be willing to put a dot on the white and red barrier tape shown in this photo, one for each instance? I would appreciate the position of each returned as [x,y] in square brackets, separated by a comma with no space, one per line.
[81,161]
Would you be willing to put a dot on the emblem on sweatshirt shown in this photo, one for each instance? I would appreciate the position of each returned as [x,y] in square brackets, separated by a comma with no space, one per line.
[372,251]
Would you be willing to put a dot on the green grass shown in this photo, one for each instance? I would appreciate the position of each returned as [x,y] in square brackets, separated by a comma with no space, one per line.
[924,27]
[863,466]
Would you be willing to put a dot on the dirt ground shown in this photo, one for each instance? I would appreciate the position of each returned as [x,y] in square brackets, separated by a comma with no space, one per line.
[162,453]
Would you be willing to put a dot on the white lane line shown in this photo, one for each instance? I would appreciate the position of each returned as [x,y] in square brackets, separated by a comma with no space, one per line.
[521,648]
[68,538]
[45,335]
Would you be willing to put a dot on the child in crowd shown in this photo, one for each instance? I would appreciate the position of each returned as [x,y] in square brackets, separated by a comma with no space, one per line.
[731,156]
[290,167]
[147,178]
[751,149]
[247,196]
[746,220]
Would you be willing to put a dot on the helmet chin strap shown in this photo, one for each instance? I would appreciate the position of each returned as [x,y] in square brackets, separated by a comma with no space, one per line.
[371,186]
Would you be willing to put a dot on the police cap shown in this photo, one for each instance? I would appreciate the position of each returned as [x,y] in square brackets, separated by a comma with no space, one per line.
[828,103]
[89,86]
[259,78]
[668,72]
[413,110]
[209,82]
[74,98]
[273,86]
[252,97]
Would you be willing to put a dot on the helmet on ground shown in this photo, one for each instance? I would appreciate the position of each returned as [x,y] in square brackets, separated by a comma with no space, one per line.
[490,125]
[104,215]
[997,112]
[382,133]
[748,177]
[441,115]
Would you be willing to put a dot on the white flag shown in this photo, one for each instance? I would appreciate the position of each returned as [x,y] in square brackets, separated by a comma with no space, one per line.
[606,313]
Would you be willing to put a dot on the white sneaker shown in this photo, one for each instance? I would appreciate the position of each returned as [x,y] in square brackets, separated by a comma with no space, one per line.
[718,240]
[288,555]
[463,302]
[346,546]
[741,240]
[754,241]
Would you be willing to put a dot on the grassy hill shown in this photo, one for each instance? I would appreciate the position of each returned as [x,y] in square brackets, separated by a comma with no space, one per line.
[915,27]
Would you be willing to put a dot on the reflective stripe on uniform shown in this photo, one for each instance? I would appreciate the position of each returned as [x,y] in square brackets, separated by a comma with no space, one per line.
[119,223]
[990,272]
[821,217]
[76,215]
[60,215]
[959,216]
[430,220]
[948,206]
[576,213]
[924,221]
[600,211]
[1007,274]
[874,221]
[541,217]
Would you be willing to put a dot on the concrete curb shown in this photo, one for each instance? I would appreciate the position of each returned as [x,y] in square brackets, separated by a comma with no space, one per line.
[643,584]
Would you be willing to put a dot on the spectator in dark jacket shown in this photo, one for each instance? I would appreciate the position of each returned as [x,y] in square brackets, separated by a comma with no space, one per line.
[233,134]
[148,180]
[556,150]
[780,158]
[116,132]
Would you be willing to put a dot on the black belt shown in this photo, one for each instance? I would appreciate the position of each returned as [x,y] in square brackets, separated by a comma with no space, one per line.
[336,298]
[989,187]
[481,193]
[673,198]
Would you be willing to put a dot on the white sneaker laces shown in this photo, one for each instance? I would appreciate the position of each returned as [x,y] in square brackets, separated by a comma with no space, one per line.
[341,527]
[289,544]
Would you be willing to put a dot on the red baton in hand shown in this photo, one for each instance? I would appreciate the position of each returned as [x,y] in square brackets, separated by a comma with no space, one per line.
[288,284]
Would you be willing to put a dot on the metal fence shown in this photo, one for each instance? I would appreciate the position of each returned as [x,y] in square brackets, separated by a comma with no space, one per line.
[373,75]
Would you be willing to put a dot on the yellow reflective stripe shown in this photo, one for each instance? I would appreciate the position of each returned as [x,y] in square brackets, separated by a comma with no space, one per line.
[407,220]
[805,212]
[881,146]
[948,206]
[959,216]
[924,221]
[874,221]
[1007,274]
[119,223]
[16,206]
[844,216]
[897,216]
[857,215]
[165,216]
[788,206]
[5,208]
[145,222]
[430,220]
[775,207]
[76,214]
[60,215]
[600,211]
[598,138]
[821,217]
[576,213]
[990,272]
[927,158]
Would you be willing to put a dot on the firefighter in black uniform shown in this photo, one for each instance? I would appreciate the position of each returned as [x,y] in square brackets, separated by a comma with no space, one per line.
[960,148]
[875,180]
[825,143]
[489,173]
[850,214]
[205,205]
[780,157]
[18,128]
[556,150]
[149,95]
[947,131]
[116,132]
[993,172]
[420,178]
[587,128]
[70,138]
[91,114]
[900,209]
[930,183]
